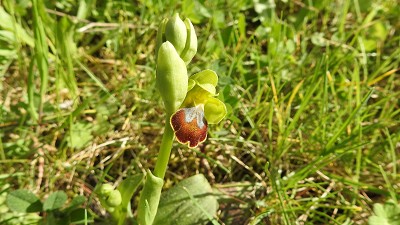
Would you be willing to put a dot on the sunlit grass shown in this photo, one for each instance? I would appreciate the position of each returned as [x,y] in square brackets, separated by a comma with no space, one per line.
[312,131]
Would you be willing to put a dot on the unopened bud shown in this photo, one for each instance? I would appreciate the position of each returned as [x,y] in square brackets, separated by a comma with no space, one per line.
[180,34]
[171,77]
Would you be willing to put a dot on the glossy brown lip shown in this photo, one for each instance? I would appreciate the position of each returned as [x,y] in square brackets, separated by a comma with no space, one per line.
[190,126]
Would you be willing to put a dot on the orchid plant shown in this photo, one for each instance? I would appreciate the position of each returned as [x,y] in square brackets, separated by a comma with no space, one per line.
[191,104]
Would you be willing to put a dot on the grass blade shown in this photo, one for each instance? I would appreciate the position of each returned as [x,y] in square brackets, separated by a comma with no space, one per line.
[41,53]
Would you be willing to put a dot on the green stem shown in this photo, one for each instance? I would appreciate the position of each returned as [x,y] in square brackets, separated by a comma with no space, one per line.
[165,150]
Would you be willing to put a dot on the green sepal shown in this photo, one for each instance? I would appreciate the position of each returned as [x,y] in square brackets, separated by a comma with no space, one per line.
[214,110]
[175,32]
[191,42]
[205,77]
[209,88]
[171,77]
[149,199]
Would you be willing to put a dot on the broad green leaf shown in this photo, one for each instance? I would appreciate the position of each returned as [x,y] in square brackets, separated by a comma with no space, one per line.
[80,135]
[54,201]
[75,203]
[189,202]
[214,110]
[375,220]
[205,77]
[385,214]
[23,201]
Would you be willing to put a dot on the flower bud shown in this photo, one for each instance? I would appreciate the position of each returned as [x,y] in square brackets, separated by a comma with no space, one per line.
[109,197]
[180,34]
[171,77]
[176,33]
[114,199]
[105,189]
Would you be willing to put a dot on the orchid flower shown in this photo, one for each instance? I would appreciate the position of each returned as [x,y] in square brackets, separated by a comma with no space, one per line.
[200,108]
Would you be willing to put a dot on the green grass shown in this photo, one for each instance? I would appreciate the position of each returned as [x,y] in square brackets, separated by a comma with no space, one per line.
[312,90]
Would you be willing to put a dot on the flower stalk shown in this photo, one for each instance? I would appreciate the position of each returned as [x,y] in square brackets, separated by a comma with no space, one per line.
[165,150]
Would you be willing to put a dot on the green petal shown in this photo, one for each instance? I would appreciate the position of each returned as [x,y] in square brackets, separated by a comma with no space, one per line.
[196,96]
[205,77]
[209,88]
[191,84]
[214,110]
